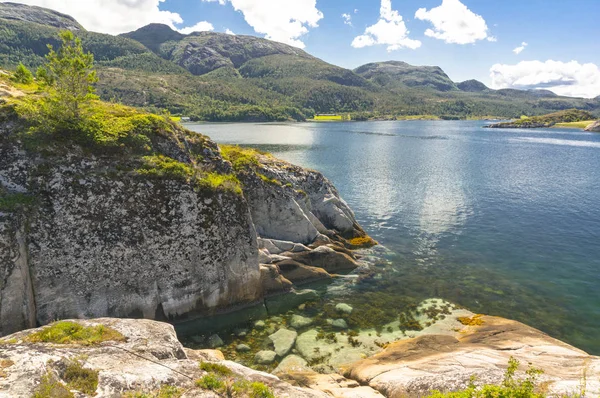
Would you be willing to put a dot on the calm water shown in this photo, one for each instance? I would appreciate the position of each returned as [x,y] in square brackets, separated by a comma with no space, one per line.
[504,222]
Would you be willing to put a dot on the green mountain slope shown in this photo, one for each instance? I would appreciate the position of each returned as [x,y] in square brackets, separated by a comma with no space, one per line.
[220,77]
[394,74]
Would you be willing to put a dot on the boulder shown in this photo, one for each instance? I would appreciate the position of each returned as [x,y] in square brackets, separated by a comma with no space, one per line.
[242,348]
[338,323]
[283,340]
[301,273]
[594,127]
[327,258]
[272,280]
[214,341]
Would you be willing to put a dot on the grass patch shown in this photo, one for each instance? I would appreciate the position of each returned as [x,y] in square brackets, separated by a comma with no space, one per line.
[228,182]
[160,166]
[575,125]
[329,118]
[240,158]
[260,390]
[81,379]
[73,333]
[51,387]
[219,369]
[268,180]
[211,382]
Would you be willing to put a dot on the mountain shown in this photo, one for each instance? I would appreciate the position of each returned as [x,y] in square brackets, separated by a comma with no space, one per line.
[472,86]
[39,15]
[393,74]
[220,77]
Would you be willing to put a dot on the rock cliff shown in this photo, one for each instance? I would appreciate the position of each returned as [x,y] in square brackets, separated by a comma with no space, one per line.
[594,127]
[92,232]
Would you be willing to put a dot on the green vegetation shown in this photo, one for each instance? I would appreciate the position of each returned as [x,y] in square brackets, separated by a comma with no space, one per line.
[575,125]
[211,382]
[22,75]
[64,332]
[227,182]
[165,167]
[51,387]
[240,158]
[81,379]
[510,388]
[268,180]
[215,77]
[219,369]
[567,116]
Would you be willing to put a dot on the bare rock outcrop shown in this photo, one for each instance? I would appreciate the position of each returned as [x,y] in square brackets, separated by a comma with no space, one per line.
[594,127]
[482,349]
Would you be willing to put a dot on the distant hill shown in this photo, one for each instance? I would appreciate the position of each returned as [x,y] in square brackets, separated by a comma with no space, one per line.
[220,77]
[472,86]
[393,74]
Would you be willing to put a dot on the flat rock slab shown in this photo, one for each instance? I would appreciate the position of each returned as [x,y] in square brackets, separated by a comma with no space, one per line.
[447,362]
[283,340]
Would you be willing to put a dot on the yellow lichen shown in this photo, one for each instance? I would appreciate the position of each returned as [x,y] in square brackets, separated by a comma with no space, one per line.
[362,241]
[471,321]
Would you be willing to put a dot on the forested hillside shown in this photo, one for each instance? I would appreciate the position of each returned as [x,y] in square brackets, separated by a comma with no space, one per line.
[220,77]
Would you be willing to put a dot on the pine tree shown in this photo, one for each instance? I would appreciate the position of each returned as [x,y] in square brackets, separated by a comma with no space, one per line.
[22,75]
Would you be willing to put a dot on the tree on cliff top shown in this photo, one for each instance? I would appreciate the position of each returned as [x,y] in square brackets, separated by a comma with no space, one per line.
[69,76]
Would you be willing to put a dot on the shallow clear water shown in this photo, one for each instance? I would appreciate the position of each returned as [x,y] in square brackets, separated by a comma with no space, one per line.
[503,222]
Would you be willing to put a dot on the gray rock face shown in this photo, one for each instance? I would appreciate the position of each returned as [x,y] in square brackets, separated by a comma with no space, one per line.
[594,127]
[283,341]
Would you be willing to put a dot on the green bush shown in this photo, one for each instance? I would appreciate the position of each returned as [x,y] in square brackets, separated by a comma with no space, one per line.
[510,388]
[210,382]
[51,387]
[22,75]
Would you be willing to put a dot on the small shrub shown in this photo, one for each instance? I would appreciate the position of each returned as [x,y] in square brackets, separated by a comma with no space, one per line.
[165,167]
[51,387]
[260,390]
[240,158]
[80,378]
[210,382]
[22,75]
[73,333]
[215,368]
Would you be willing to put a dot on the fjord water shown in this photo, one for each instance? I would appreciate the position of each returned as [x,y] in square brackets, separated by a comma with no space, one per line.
[503,222]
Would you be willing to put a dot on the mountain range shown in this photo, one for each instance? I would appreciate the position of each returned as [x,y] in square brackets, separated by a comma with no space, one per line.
[222,77]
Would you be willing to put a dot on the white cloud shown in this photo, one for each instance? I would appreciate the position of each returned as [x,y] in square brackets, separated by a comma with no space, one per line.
[229,32]
[564,78]
[283,21]
[454,23]
[520,49]
[111,16]
[390,30]
[199,27]
[347,19]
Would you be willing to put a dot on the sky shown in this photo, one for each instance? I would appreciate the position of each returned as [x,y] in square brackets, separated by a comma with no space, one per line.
[525,44]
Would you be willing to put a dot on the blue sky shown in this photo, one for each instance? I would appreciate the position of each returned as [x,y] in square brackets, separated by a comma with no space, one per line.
[467,38]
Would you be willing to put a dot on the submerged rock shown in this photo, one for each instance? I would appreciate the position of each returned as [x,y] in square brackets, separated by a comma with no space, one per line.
[283,341]
[214,341]
[299,321]
[292,364]
[242,348]
[283,303]
[338,323]
[265,357]
[343,308]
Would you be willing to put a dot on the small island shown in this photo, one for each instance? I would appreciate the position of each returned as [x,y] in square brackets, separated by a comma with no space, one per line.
[571,118]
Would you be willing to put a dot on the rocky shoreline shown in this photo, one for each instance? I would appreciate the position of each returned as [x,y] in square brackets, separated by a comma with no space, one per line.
[148,358]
